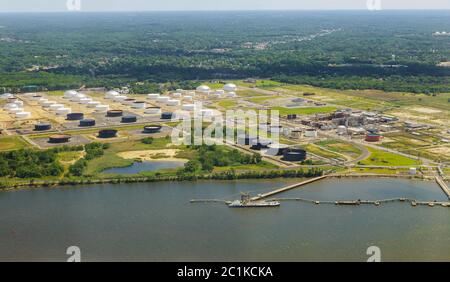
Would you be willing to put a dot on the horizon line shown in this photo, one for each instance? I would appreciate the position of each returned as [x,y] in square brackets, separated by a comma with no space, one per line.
[224,10]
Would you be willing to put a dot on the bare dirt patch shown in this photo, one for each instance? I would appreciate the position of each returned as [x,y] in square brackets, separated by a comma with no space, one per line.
[151,155]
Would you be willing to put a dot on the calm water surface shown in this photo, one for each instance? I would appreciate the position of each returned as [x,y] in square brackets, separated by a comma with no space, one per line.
[145,166]
[156,222]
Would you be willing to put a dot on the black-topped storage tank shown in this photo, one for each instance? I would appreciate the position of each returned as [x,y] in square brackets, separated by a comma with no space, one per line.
[294,155]
[75,116]
[107,133]
[260,143]
[58,139]
[167,115]
[129,119]
[244,139]
[87,122]
[42,126]
[114,113]
[152,128]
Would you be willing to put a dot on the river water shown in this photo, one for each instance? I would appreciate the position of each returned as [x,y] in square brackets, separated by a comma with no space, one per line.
[156,222]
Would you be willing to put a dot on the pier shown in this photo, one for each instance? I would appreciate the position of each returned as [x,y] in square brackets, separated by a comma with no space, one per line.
[284,189]
[443,186]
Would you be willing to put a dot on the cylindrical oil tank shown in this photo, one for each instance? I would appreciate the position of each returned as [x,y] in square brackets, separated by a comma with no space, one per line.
[36,97]
[54,107]
[129,119]
[276,129]
[48,104]
[42,126]
[107,133]
[139,105]
[188,107]
[63,111]
[23,115]
[15,110]
[41,101]
[128,101]
[173,103]
[152,128]
[277,149]
[153,96]
[176,95]
[261,143]
[244,139]
[93,104]
[85,101]
[167,115]
[58,139]
[75,116]
[373,137]
[87,122]
[294,155]
[114,113]
[102,108]
[162,99]
[188,98]
[311,133]
[120,98]
[153,111]
[69,94]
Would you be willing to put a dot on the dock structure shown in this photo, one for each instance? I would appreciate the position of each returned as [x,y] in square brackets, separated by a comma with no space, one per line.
[284,189]
[443,186]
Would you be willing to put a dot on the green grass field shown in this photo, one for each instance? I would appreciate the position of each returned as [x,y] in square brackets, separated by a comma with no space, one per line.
[382,158]
[10,143]
[340,147]
[305,111]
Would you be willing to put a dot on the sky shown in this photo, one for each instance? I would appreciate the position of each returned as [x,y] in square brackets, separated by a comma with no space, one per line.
[152,5]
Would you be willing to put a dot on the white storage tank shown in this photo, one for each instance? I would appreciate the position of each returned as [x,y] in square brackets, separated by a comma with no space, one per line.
[42,101]
[23,115]
[203,89]
[15,110]
[311,133]
[173,103]
[163,99]
[413,171]
[69,94]
[139,105]
[188,98]
[341,129]
[11,106]
[231,94]
[18,103]
[111,94]
[176,95]
[77,98]
[120,98]
[6,96]
[54,107]
[153,96]
[48,104]
[102,108]
[93,104]
[153,111]
[230,87]
[85,101]
[188,107]
[63,111]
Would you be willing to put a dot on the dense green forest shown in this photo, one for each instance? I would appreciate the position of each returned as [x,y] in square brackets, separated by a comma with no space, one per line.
[348,49]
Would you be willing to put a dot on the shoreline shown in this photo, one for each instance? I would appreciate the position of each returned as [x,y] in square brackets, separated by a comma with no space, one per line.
[64,183]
